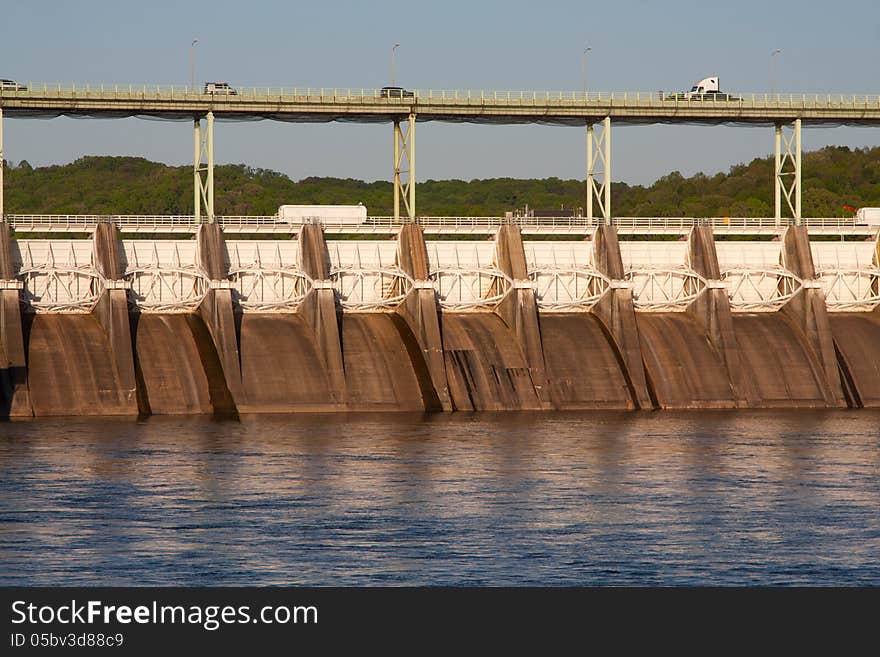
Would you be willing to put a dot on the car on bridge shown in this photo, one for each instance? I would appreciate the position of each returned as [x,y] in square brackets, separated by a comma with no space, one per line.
[395,92]
[12,85]
[220,88]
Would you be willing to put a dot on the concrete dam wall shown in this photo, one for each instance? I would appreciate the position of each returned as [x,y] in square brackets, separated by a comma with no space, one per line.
[105,326]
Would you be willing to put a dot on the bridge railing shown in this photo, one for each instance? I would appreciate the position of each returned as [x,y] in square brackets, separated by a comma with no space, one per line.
[468,96]
[381,224]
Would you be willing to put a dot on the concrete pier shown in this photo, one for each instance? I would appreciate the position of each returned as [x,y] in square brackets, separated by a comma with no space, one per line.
[518,308]
[808,314]
[216,309]
[14,395]
[419,312]
[618,317]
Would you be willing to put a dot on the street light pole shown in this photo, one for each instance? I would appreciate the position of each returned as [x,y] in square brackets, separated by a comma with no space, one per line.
[772,70]
[192,66]
[584,71]
[393,48]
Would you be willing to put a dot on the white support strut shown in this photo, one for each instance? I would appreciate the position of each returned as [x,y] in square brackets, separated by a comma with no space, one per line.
[203,163]
[787,173]
[599,164]
[405,150]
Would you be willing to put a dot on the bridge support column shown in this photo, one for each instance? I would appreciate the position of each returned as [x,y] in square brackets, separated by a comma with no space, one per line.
[712,309]
[319,308]
[111,311]
[14,395]
[203,164]
[419,311]
[618,315]
[519,309]
[216,309]
[405,167]
[787,176]
[599,170]
[807,310]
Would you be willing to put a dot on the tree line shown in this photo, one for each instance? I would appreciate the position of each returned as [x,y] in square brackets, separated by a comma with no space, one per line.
[833,177]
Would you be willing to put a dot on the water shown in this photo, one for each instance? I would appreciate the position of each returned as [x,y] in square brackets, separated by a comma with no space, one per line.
[769,498]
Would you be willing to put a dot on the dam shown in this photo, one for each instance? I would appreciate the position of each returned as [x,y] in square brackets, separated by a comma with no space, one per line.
[215,324]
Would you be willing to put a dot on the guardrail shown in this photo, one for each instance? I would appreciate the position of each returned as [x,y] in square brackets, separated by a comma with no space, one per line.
[172,91]
[463,224]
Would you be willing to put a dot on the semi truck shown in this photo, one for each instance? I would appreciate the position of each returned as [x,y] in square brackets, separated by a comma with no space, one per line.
[345,215]
[705,89]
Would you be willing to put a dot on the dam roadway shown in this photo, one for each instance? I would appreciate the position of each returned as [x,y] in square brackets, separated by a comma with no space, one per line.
[218,324]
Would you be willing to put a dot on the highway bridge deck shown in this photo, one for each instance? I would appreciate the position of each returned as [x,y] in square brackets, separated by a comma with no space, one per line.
[471,106]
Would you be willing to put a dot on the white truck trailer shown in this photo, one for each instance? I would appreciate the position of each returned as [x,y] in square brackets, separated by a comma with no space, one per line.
[868,216]
[331,215]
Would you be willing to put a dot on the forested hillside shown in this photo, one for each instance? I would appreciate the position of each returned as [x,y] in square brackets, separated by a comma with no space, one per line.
[833,177]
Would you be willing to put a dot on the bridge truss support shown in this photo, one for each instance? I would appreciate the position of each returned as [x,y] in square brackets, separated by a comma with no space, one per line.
[405,167]
[788,171]
[203,164]
[599,169]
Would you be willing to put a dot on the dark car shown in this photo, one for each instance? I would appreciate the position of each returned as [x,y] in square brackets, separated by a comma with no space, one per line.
[395,92]
[11,85]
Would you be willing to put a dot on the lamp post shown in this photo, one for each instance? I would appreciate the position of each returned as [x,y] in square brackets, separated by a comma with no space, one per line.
[772,70]
[584,71]
[393,48]
[192,65]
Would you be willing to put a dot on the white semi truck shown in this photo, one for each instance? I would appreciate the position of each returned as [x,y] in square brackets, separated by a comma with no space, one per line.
[705,89]
[704,86]
[331,215]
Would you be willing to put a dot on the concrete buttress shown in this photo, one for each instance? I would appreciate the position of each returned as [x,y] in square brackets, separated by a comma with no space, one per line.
[419,311]
[617,313]
[15,397]
[807,311]
[319,308]
[216,309]
[712,309]
[112,309]
[519,309]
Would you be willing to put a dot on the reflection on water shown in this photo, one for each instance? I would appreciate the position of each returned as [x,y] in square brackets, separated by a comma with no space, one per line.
[489,499]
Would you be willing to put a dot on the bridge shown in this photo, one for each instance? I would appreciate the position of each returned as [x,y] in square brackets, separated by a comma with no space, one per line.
[786,113]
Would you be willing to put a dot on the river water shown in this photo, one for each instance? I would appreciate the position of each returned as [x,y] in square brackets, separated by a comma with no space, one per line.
[646,498]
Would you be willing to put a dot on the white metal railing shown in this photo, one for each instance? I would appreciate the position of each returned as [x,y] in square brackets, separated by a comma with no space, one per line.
[258,223]
[239,93]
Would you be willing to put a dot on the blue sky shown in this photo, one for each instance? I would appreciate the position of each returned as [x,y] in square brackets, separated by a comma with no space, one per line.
[636,46]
